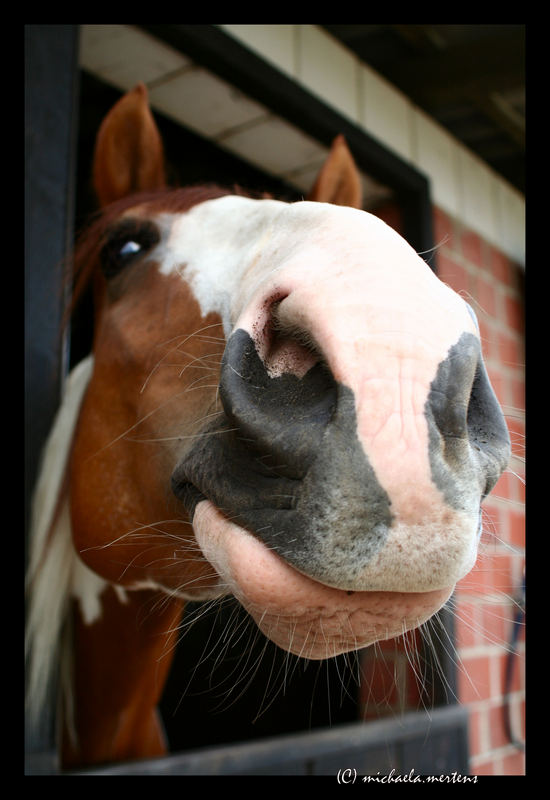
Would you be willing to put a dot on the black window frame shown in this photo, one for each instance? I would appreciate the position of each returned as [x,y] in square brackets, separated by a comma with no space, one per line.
[51,91]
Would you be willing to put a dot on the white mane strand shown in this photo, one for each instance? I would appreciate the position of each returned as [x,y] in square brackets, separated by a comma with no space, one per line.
[53,560]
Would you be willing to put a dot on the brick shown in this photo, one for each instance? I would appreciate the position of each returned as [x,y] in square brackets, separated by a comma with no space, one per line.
[518,660]
[453,274]
[510,350]
[487,767]
[516,528]
[503,487]
[503,572]
[491,535]
[516,475]
[443,229]
[517,709]
[474,680]
[489,338]
[501,534]
[513,764]
[516,427]
[494,526]
[492,574]
[472,247]
[476,737]
[485,295]
[517,392]
[516,424]
[494,521]
[498,383]
[466,625]
[520,486]
[514,314]
[500,266]
[495,623]
[497,733]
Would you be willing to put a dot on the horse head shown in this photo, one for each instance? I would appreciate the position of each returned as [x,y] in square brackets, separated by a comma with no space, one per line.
[284,404]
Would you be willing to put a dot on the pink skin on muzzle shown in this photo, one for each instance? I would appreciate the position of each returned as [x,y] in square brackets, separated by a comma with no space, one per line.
[297,613]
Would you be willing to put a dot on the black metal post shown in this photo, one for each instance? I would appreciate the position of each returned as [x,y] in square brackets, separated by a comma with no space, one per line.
[51,79]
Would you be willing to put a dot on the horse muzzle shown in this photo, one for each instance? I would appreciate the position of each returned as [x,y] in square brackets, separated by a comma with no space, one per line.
[290,462]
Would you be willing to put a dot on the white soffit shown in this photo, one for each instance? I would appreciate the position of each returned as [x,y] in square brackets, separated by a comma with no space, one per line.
[122,55]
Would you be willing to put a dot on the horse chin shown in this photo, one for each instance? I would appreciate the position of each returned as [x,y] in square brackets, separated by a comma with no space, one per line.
[299,614]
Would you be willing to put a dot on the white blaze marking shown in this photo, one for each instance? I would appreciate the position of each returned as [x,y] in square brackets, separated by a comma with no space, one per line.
[214,244]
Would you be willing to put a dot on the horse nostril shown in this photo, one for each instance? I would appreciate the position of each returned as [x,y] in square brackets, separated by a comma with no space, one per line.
[487,429]
[281,414]
[289,352]
[468,433]
[283,346]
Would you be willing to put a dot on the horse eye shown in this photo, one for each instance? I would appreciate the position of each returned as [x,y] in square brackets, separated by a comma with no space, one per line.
[125,243]
[130,248]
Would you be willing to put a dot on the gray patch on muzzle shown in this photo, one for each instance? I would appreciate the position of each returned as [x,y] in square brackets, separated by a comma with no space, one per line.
[469,443]
[285,462]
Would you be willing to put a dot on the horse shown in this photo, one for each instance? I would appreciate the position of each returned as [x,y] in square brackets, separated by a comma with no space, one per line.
[283,403]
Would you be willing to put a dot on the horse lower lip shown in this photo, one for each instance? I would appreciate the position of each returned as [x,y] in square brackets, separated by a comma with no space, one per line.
[300,614]
[275,587]
[377,616]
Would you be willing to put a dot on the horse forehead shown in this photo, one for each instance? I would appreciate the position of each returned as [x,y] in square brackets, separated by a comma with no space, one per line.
[246,227]
[227,247]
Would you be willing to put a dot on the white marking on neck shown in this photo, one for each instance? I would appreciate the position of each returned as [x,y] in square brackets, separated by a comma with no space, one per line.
[86,588]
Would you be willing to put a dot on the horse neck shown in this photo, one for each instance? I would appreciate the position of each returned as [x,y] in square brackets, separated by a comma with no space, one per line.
[113,648]
[119,665]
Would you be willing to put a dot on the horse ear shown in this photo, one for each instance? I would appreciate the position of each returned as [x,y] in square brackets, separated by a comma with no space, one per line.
[128,154]
[339,181]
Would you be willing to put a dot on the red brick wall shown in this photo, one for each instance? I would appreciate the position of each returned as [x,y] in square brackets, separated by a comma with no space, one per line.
[486,599]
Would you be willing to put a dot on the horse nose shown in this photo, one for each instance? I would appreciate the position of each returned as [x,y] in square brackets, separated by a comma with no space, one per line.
[299,459]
